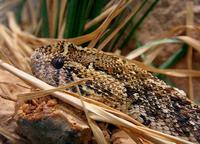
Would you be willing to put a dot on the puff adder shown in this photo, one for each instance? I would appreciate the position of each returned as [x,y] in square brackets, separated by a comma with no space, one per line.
[121,84]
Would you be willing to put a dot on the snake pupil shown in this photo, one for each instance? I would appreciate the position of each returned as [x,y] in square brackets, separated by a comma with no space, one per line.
[57,62]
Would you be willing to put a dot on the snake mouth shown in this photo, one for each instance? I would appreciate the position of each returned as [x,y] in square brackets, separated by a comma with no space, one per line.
[36,62]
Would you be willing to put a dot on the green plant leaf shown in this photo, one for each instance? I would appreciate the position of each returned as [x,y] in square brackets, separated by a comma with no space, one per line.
[72,10]
[44,16]
[84,13]
[138,23]
[175,57]
[172,61]
[122,31]
[18,13]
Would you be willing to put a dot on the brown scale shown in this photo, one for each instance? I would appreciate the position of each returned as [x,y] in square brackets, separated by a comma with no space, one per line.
[121,84]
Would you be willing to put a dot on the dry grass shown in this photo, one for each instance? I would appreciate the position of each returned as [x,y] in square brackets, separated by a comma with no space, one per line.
[190,21]
[16,47]
[95,112]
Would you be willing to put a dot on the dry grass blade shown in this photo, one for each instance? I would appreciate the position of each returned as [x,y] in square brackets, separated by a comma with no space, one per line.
[100,17]
[62,30]
[105,24]
[124,116]
[180,72]
[7,4]
[107,108]
[100,115]
[190,19]
[39,94]
[23,36]
[61,22]
[26,49]
[94,127]
[12,24]
[121,25]
[170,72]
[16,29]
[4,88]
[190,41]
[88,37]
[10,40]
[179,30]
[148,46]
[109,4]
[78,40]
[163,138]
[28,38]
[91,36]
[161,134]
[97,132]
[107,117]
[33,15]
[150,56]
[11,45]
[52,13]
[8,135]
[134,137]
[120,7]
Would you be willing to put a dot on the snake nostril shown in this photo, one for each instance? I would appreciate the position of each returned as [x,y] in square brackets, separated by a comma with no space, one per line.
[37,57]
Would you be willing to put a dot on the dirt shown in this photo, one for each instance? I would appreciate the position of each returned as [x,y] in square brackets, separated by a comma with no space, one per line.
[10,87]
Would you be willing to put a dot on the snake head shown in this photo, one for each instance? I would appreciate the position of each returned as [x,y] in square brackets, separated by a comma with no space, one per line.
[47,62]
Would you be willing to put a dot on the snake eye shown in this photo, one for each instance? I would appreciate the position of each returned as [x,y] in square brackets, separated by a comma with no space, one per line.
[57,62]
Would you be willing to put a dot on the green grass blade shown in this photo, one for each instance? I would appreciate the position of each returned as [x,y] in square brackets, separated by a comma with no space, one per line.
[18,13]
[96,8]
[137,52]
[114,25]
[173,60]
[44,16]
[121,33]
[77,16]
[57,18]
[84,13]
[166,79]
[175,57]
[131,33]
[72,10]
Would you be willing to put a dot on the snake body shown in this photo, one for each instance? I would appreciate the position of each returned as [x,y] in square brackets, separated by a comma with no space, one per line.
[121,84]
